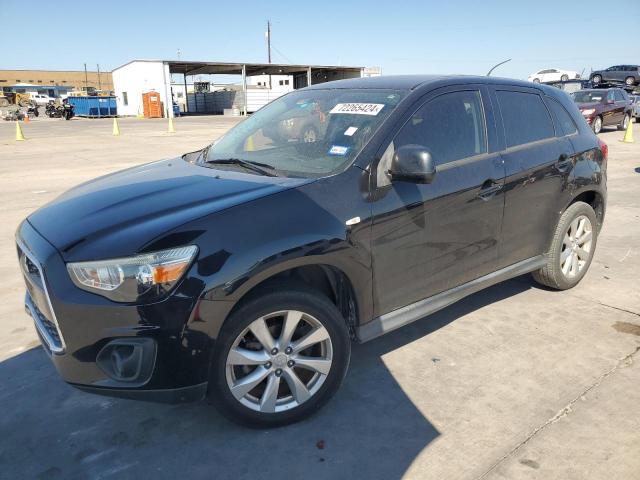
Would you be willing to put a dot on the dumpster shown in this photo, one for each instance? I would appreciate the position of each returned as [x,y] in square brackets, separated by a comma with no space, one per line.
[94,106]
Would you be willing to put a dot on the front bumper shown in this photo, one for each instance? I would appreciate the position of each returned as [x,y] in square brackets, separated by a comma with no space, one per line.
[75,326]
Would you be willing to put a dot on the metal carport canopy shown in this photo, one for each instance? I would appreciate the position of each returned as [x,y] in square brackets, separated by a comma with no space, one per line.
[252,69]
[223,68]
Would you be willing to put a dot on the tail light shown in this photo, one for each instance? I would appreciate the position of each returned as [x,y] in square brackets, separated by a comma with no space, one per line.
[604,148]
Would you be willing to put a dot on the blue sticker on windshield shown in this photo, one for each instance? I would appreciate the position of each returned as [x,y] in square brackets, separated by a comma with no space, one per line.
[338,150]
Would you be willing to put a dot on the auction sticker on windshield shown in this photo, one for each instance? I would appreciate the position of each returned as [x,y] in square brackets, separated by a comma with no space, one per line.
[358,108]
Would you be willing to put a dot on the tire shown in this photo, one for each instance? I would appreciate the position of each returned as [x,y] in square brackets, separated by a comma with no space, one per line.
[596,79]
[630,81]
[553,274]
[536,80]
[564,78]
[625,122]
[309,134]
[597,125]
[228,370]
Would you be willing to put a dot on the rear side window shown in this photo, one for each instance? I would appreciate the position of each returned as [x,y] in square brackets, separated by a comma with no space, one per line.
[451,126]
[525,117]
[566,125]
[619,96]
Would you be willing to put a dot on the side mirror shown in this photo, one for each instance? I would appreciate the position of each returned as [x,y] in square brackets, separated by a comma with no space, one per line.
[412,163]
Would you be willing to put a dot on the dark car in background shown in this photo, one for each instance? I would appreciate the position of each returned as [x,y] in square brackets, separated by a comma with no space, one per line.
[244,271]
[603,107]
[627,74]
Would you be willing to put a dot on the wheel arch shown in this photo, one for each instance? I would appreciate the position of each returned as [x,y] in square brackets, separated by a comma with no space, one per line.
[592,197]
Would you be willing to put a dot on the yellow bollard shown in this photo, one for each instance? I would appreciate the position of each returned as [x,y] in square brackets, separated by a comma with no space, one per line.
[171,129]
[628,134]
[116,128]
[19,134]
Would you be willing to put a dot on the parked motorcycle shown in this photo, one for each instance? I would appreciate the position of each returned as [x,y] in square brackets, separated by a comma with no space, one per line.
[52,110]
[67,111]
[33,110]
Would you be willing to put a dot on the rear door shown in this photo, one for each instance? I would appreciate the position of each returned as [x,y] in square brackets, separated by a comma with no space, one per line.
[537,165]
[429,238]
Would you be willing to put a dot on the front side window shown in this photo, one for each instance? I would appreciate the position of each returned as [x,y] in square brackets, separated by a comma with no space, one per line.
[451,127]
[306,133]
[618,96]
[518,106]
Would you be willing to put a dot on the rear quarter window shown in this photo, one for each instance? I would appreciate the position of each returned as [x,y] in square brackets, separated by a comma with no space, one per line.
[525,117]
[564,122]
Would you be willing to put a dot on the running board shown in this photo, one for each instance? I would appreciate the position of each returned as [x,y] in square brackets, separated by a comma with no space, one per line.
[405,315]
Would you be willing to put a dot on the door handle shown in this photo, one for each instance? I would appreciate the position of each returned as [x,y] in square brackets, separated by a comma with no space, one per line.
[563,162]
[489,189]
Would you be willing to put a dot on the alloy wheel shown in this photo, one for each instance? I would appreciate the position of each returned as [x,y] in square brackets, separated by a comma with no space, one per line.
[597,125]
[279,361]
[309,136]
[576,246]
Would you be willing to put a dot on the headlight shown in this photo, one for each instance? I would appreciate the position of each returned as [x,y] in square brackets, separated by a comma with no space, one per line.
[588,111]
[144,277]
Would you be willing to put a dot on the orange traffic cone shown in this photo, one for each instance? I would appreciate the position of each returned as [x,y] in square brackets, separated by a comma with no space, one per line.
[26,118]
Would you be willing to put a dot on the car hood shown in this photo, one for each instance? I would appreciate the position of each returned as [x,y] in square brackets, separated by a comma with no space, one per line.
[116,215]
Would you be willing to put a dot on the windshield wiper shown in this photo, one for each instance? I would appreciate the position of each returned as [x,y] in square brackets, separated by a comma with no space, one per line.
[261,168]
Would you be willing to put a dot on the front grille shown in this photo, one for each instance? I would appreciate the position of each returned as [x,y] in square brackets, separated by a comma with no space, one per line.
[46,323]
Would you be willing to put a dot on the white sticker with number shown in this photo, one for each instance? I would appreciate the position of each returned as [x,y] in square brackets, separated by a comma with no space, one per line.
[358,108]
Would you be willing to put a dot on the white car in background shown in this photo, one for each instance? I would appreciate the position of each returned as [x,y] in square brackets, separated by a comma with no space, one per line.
[41,99]
[553,75]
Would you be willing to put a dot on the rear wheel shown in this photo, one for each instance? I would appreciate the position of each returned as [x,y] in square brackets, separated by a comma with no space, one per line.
[572,248]
[625,122]
[536,80]
[279,358]
[629,81]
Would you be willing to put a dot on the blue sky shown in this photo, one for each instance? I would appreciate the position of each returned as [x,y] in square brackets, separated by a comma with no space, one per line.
[464,36]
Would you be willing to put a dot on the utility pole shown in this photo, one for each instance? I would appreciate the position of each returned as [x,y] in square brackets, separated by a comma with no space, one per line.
[269,47]
[86,80]
[269,41]
[99,83]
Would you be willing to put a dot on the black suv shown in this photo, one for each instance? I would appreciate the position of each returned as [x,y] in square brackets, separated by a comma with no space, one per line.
[627,74]
[243,271]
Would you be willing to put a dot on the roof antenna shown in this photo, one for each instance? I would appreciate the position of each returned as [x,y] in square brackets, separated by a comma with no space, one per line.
[496,66]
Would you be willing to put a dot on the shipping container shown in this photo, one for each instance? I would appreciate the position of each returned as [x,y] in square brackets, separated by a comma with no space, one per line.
[94,106]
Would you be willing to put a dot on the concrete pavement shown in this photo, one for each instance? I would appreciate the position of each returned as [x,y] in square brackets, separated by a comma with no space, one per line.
[513,382]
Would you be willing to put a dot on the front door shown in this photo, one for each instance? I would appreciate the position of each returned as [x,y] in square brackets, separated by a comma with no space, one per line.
[428,238]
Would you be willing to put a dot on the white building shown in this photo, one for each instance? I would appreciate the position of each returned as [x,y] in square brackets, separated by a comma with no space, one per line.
[133,79]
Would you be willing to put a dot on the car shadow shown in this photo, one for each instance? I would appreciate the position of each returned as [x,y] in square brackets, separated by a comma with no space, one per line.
[371,429]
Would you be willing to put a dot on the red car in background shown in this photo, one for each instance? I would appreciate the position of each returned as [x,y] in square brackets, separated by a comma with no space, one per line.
[603,107]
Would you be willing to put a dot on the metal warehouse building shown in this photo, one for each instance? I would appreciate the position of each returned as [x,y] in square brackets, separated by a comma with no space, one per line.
[133,79]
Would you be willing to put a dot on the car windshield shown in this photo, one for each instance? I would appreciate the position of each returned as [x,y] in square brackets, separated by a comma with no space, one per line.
[307,133]
[589,96]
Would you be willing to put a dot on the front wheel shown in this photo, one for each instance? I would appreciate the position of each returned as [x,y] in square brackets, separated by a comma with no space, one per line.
[596,79]
[572,248]
[279,357]
[536,80]
[564,78]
